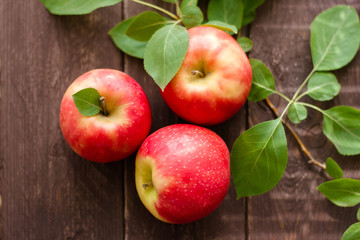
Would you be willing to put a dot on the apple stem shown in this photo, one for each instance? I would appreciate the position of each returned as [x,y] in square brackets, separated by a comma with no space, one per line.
[146,185]
[198,73]
[103,105]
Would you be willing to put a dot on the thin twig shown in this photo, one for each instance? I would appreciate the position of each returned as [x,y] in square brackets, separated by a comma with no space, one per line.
[301,144]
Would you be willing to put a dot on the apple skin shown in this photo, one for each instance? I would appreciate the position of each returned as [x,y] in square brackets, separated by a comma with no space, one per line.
[226,84]
[113,137]
[182,173]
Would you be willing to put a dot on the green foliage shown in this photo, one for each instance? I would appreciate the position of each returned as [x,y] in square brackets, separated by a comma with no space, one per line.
[227,11]
[342,128]
[263,83]
[259,158]
[323,86]
[222,26]
[245,43]
[145,25]
[76,7]
[335,38]
[297,113]
[87,101]
[250,7]
[352,233]
[128,45]
[333,169]
[191,16]
[189,3]
[165,53]
[358,215]
[343,192]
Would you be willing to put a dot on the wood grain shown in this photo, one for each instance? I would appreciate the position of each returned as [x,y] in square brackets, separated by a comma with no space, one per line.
[294,209]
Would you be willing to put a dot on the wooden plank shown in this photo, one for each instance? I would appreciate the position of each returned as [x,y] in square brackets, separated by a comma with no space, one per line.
[48,192]
[294,209]
[226,222]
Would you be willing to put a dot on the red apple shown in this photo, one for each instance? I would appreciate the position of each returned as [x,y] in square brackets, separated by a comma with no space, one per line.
[213,81]
[182,173]
[113,137]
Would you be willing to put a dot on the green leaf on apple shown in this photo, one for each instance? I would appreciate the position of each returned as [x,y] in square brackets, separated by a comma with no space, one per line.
[352,233]
[165,53]
[323,86]
[263,83]
[335,38]
[333,169]
[343,192]
[222,26]
[126,44]
[250,7]
[259,158]
[342,128]
[227,11]
[297,113]
[145,25]
[76,7]
[189,3]
[87,101]
[245,43]
[191,16]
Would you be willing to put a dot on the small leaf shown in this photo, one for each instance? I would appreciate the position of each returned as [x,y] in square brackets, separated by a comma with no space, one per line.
[76,7]
[343,192]
[87,101]
[250,7]
[335,38]
[342,128]
[189,3]
[191,16]
[352,233]
[145,25]
[222,26]
[165,53]
[323,86]
[297,113]
[245,43]
[333,169]
[263,83]
[259,158]
[126,44]
[358,215]
[227,11]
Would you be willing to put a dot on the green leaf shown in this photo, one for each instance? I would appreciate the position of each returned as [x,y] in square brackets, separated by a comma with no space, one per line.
[263,83]
[250,7]
[259,158]
[87,101]
[222,26]
[165,53]
[352,233]
[76,7]
[342,128]
[245,43]
[333,169]
[191,16]
[358,215]
[323,86]
[189,3]
[227,11]
[145,25]
[343,192]
[335,38]
[126,44]
[297,113]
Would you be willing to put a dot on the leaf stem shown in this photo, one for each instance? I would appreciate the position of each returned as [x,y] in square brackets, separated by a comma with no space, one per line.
[103,105]
[157,8]
[297,138]
[295,97]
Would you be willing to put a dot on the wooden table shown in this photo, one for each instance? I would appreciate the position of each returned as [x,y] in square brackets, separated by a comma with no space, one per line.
[48,192]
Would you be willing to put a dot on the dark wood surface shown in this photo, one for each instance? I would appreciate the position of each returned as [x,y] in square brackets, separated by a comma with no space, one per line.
[48,192]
